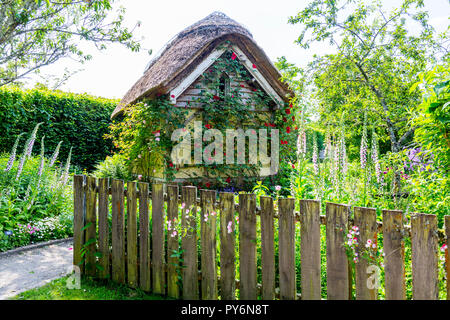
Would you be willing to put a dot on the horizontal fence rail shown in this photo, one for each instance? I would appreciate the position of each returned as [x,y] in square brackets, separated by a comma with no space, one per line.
[197,244]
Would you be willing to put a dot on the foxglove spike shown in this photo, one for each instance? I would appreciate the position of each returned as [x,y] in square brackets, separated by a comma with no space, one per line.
[12,158]
[55,154]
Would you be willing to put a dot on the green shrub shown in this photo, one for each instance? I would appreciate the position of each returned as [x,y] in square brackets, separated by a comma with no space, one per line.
[79,120]
[113,167]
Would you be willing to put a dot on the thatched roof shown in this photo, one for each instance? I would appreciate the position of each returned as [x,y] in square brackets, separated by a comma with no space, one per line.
[187,49]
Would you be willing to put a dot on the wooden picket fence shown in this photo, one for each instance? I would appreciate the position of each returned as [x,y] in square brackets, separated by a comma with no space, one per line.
[139,252]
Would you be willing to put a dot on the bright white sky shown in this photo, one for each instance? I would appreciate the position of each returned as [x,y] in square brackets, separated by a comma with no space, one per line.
[112,72]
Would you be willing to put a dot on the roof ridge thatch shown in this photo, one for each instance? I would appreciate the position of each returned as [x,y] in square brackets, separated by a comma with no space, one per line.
[184,51]
[199,26]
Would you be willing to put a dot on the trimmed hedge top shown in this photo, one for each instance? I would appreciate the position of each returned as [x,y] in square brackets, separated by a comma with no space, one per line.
[79,120]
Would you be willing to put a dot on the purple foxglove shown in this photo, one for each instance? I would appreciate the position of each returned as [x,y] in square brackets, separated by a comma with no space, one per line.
[12,157]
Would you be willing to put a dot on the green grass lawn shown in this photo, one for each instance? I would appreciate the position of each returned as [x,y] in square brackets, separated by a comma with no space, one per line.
[90,290]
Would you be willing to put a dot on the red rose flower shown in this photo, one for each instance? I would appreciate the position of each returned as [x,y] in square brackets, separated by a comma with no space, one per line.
[228,180]
[254,66]
[272,125]
[254,90]
[207,126]
[290,105]
[242,86]
[216,98]
[233,56]
[284,119]
[173,96]
[293,166]
[208,184]
[288,111]
[288,129]
[293,118]
[171,165]
[266,124]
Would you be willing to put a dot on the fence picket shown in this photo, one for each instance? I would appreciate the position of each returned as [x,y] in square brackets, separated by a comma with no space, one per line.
[158,239]
[118,231]
[365,281]
[286,236]
[394,255]
[91,223]
[132,234]
[424,242]
[247,246]
[103,228]
[189,244]
[227,246]
[267,248]
[310,249]
[338,287]
[78,221]
[144,238]
[208,245]
[172,243]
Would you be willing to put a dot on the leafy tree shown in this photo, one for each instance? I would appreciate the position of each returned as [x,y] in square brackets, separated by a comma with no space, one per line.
[376,63]
[36,33]
[432,115]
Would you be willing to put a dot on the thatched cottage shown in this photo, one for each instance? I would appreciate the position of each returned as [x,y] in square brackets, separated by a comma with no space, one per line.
[177,70]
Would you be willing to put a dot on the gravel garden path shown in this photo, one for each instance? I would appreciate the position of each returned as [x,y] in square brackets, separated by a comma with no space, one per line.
[33,266]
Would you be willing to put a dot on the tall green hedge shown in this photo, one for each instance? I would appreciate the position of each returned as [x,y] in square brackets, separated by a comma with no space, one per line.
[79,120]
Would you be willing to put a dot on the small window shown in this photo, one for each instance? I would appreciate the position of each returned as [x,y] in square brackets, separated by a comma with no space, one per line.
[224,85]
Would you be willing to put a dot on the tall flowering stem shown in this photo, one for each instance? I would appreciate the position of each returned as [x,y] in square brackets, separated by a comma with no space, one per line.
[27,150]
[315,155]
[65,174]
[363,156]
[301,144]
[41,165]
[32,139]
[335,166]
[55,154]
[343,153]
[374,155]
[12,157]
[40,170]
[363,149]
